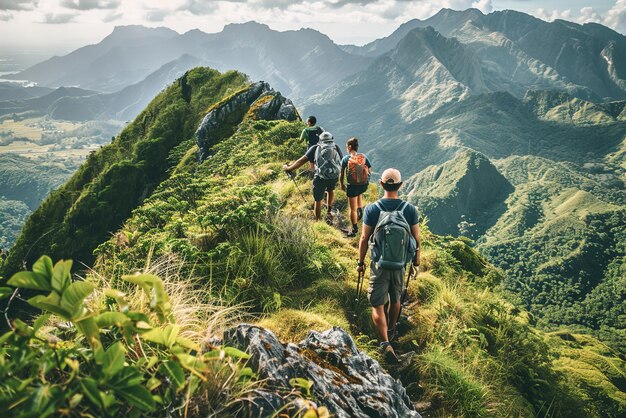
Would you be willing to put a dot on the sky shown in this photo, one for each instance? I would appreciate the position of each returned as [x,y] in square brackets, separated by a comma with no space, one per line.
[60,26]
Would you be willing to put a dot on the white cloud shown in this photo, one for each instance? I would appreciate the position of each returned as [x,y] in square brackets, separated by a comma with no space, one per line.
[91,4]
[198,7]
[58,18]
[616,17]
[588,14]
[5,16]
[157,15]
[484,6]
[18,4]
[112,16]
[551,15]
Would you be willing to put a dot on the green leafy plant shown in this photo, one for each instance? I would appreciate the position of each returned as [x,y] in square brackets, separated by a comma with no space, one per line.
[108,362]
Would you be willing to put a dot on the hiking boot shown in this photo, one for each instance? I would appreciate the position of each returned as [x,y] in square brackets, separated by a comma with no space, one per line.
[329,218]
[391,334]
[389,353]
[351,233]
[359,213]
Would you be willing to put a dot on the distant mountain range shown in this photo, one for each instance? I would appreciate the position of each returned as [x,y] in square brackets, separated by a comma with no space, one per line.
[299,63]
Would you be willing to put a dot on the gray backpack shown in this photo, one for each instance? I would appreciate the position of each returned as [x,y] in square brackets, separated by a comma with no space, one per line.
[327,162]
[392,244]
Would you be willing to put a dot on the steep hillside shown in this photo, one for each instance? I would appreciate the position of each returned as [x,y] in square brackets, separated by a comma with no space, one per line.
[231,229]
[115,179]
[561,241]
[461,196]
[556,232]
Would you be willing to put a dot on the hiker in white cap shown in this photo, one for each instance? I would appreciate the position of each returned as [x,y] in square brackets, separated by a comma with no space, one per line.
[391,225]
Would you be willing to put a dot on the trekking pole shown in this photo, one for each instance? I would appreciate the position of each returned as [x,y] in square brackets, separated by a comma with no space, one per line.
[293,178]
[412,271]
[359,287]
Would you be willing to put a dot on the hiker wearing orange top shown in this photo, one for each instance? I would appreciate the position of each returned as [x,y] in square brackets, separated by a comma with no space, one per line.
[356,168]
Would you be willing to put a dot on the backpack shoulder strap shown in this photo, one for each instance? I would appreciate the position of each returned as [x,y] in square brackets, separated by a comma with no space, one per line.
[379,206]
[402,206]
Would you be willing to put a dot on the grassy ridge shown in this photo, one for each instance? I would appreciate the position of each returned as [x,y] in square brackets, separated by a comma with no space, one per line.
[114,180]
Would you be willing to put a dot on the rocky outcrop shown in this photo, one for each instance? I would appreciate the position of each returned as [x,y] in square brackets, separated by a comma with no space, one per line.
[346,381]
[271,106]
[259,99]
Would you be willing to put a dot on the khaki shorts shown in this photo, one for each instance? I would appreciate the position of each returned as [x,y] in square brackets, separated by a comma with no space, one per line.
[385,285]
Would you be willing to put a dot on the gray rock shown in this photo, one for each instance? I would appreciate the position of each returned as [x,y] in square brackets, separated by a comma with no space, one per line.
[271,106]
[259,100]
[348,382]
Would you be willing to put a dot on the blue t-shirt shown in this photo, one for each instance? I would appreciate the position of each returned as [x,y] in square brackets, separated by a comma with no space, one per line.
[344,162]
[372,213]
[310,153]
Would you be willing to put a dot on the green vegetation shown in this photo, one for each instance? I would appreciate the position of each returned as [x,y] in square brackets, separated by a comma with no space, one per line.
[231,235]
[74,219]
[562,244]
[13,214]
[106,352]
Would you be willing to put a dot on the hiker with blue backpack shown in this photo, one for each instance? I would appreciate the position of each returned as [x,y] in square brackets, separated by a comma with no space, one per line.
[356,169]
[390,230]
[326,157]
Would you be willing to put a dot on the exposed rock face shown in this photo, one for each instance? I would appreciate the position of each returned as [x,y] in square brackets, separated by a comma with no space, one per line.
[348,382]
[271,106]
[259,99]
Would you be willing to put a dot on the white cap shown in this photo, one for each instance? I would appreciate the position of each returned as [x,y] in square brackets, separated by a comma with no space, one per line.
[391,176]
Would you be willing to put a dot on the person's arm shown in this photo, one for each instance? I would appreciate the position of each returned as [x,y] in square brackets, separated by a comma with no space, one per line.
[299,163]
[363,245]
[415,230]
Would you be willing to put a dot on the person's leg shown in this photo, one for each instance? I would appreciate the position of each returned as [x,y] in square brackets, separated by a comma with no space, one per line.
[330,199]
[318,196]
[353,202]
[394,311]
[378,293]
[359,210]
[380,322]
[318,210]
[396,284]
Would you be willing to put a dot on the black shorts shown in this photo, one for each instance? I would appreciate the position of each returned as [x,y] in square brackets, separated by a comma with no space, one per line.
[320,186]
[354,190]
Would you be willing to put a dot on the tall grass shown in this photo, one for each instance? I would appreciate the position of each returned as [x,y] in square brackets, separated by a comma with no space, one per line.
[450,382]
[199,310]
